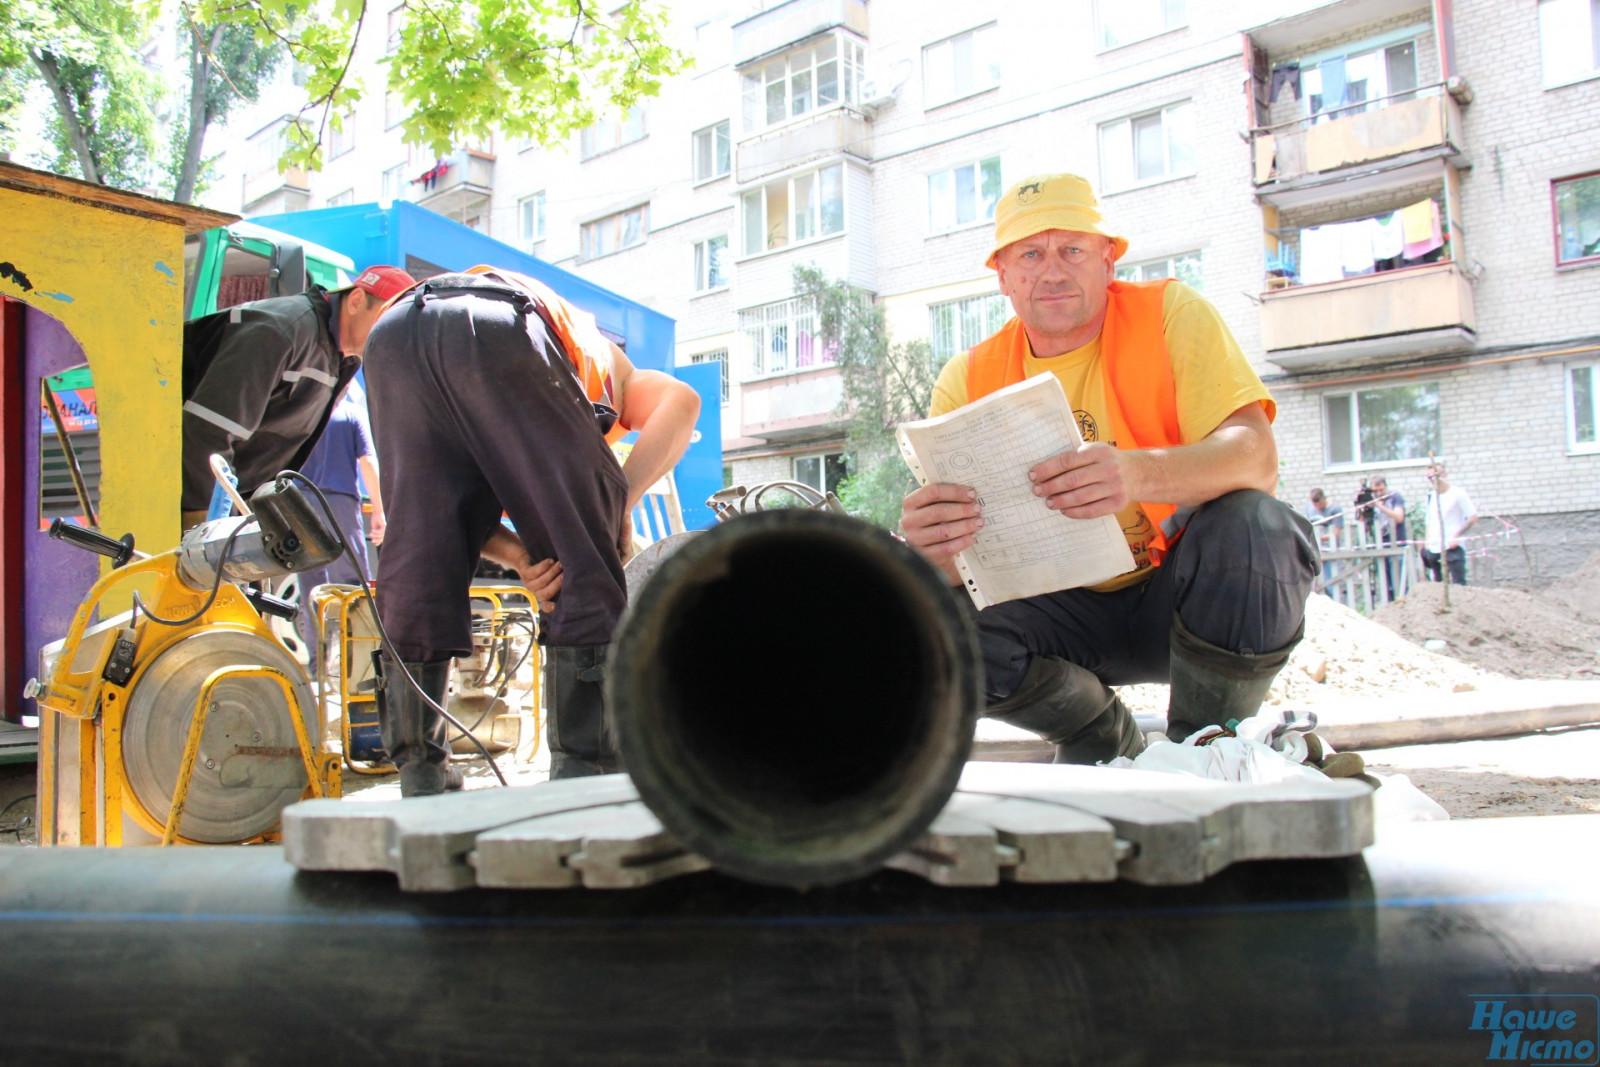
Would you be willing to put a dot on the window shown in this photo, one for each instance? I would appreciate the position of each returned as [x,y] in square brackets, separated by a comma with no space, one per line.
[1577,210]
[801,208]
[1334,84]
[1389,425]
[1185,268]
[1147,148]
[397,183]
[265,147]
[710,257]
[341,199]
[1569,40]
[782,337]
[340,140]
[820,75]
[957,325]
[530,217]
[397,23]
[613,233]
[960,66]
[823,471]
[394,109]
[719,356]
[608,134]
[713,156]
[1583,407]
[963,196]
[1120,22]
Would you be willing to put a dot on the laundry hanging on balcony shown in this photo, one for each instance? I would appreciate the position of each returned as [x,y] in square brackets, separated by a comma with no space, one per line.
[430,177]
[1388,241]
[1422,232]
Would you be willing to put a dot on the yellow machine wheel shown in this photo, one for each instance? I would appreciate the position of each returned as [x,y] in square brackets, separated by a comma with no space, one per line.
[249,766]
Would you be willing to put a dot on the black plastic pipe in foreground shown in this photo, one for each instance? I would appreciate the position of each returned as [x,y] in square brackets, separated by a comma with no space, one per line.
[794,695]
[212,956]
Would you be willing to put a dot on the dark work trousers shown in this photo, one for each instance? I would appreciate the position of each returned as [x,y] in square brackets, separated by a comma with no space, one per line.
[347,513]
[476,408]
[1455,558]
[1238,577]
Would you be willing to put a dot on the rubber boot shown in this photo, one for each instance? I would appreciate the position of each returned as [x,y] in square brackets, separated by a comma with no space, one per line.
[1071,708]
[1211,685]
[575,718]
[413,731]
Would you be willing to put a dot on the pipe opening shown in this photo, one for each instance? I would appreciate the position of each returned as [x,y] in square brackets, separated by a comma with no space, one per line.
[801,695]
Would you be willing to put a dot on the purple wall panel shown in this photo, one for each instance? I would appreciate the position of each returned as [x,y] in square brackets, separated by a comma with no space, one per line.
[56,576]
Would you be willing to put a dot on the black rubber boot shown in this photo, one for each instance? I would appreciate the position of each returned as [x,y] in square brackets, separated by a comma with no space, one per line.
[576,726]
[1071,708]
[413,731]
[1211,685]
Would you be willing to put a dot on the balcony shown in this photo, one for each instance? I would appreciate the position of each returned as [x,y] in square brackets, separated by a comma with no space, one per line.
[459,186]
[829,134]
[1411,311]
[786,24]
[274,192]
[792,407]
[1392,142]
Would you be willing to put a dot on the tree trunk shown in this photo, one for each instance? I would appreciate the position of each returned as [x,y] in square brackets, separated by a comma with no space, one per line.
[50,70]
[199,114]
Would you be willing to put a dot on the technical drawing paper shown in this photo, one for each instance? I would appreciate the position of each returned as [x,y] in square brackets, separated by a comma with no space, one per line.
[1024,548]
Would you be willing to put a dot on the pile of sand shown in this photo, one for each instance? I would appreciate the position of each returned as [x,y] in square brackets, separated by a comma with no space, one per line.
[1483,635]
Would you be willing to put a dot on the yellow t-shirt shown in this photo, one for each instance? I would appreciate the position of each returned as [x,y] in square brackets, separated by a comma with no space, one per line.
[1210,375]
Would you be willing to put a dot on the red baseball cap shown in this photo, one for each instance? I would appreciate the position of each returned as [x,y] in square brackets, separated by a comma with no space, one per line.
[385,283]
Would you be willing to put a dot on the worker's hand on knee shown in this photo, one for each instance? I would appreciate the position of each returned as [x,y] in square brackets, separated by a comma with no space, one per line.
[543,580]
[940,520]
[1085,483]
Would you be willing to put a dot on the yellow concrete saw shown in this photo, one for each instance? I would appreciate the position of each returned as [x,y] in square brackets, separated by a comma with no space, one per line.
[184,720]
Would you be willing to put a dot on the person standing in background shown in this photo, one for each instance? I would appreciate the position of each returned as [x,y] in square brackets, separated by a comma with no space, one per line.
[342,463]
[1327,519]
[1391,511]
[1448,515]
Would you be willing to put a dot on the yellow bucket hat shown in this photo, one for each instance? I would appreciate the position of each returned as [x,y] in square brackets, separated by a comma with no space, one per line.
[1049,202]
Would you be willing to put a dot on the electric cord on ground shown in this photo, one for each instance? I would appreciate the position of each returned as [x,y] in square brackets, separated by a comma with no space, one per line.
[383,636]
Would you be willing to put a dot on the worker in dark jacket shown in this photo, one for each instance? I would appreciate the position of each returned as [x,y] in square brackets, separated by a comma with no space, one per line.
[260,379]
[492,395]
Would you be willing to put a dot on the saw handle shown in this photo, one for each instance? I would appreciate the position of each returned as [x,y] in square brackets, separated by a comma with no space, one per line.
[93,540]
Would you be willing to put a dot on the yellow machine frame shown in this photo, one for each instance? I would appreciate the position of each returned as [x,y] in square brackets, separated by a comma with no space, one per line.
[80,742]
[340,606]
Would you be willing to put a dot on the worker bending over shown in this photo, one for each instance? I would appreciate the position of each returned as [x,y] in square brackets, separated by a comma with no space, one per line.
[1178,445]
[260,379]
[490,394]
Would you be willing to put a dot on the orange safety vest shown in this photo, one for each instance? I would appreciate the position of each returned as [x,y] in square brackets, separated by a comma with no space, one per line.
[1140,396]
[588,348]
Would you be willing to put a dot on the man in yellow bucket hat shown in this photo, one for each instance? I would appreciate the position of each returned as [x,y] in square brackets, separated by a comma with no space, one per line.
[1178,445]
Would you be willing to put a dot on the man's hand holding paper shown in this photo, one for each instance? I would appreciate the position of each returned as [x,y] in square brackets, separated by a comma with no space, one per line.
[1083,483]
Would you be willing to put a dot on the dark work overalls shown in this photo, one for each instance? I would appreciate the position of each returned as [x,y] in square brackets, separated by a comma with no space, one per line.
[477,409]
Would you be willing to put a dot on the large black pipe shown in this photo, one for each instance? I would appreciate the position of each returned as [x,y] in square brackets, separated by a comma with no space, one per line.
[794,694]
[213,956]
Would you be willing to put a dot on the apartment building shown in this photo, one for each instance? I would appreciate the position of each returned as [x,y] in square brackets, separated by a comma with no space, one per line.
[1395,204]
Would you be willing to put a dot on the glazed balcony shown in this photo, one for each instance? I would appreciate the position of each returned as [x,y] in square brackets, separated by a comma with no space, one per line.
[1411,311]
[271,192]
[1388,139]
[459,186]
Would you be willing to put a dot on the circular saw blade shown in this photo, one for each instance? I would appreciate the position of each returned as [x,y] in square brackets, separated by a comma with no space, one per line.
[248,768]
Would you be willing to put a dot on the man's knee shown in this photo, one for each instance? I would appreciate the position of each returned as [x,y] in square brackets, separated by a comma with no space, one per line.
[1249,529]
[1244,567]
